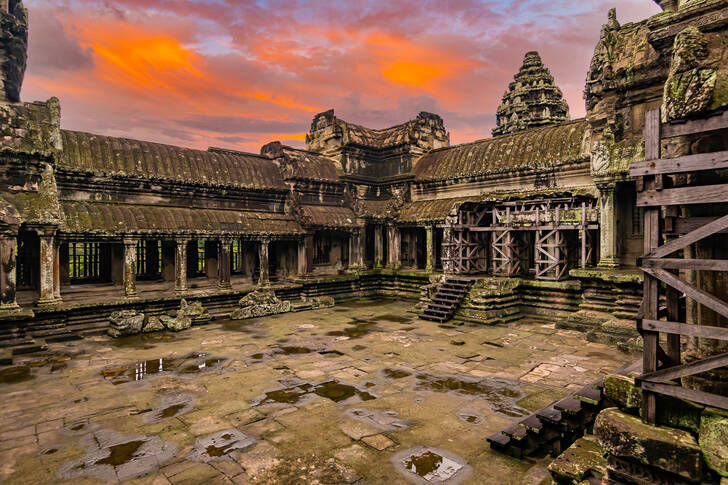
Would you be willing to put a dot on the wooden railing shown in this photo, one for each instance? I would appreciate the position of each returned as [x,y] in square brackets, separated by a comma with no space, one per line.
[661,367]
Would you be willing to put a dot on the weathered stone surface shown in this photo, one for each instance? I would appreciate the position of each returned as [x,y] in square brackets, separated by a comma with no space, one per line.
[125,322]
[667,449]
[698,80]
[581,461]
[713,440]
[194,311]
[13,49]
[176,324]
[322,302]
[153,324]
[532,99]
[622,390]
[260,303]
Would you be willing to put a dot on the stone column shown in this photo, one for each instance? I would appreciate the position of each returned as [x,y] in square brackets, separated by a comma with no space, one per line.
[355,250]
[180,266]
[378,246]
[8,265]
[223,266]
[57,270]
[263,258]
[47,252]
[394,246]
[447,251]
[302,258]
[130,264]
[608,257]
[429,248]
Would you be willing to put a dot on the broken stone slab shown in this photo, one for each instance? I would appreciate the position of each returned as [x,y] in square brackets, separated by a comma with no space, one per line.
[194,311]
[423,465]
[322,302]
[125,322]
[219,445]
[713,439]
[153,324]
[668,449]
[623,391]
[260,303]
[581,461]
[176,324]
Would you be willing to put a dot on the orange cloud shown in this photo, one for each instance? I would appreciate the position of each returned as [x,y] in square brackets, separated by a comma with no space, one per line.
[411,73]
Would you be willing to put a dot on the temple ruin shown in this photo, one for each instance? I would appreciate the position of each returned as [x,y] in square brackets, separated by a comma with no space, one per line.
[611,228]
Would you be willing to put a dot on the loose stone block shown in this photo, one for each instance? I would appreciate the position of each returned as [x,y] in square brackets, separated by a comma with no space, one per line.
[125,322]
[582,460]
[713,440]
[622,390]
[668,449]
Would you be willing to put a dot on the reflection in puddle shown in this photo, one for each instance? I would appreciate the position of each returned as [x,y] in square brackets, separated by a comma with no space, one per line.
[333,390]
[15,374]
[220,445]
[395,373]
[122,453]
[431,466]
[194,363]
[501,394]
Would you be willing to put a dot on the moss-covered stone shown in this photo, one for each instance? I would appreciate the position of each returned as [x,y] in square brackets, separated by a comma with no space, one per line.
[581,461]
[623,391]
[713,439]
[667,449]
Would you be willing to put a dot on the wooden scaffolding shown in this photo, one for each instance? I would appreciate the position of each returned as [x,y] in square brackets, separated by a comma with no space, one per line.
[662,189]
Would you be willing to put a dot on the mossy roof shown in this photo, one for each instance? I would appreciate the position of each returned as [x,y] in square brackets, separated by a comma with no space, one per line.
[115,218]
[325,216]
[306,165]
[537,148]
[86,152]
[387,137]
[435,210]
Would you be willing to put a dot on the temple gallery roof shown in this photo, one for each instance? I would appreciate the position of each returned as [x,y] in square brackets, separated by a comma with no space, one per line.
[328,217]
[298,164]
[114,218]
[105,155]
[532,149]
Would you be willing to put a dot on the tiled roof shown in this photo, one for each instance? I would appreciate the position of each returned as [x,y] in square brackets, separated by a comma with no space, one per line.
[325,216]
[537,148]
[86,152]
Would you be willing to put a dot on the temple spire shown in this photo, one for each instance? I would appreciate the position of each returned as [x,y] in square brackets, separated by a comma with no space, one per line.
[532,99]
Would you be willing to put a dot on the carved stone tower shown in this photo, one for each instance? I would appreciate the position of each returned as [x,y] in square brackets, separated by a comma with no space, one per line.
[532,99]
[13,48]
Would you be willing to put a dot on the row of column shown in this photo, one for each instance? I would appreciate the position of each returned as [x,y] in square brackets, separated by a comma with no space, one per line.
[394,241]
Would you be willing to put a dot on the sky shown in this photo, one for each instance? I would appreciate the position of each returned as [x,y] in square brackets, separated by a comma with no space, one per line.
[238,74]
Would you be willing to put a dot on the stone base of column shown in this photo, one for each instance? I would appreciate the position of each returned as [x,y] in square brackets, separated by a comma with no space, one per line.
[224,286]
[608,263]
[180,292]
[14,312]
[49,302]
[133,296]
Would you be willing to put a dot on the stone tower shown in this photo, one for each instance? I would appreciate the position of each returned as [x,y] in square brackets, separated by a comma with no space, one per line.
[532,99]
[13,48]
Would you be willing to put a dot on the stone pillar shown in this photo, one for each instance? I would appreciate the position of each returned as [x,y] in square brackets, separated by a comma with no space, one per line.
[180,266]
[8,265]
[430,248]
[263,257]
[394,246]
[57,270]
[130,264]
[47,251]
[223,265]
[378,246]
[608,257]
[356,256]
[302,258]
[447,251]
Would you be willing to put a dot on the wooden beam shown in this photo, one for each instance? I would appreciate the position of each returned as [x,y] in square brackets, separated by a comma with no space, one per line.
[701,194]
[692,127]
[689,369]
[689,329]
[687,394]
[652,134]
[690,238]
[688,163]
[700,296]
[694,264]
[684,225]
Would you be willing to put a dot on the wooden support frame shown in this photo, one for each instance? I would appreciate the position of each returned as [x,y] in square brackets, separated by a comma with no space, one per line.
[660,269]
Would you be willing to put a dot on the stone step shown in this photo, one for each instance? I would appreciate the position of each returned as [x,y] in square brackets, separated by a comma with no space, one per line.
[34,345]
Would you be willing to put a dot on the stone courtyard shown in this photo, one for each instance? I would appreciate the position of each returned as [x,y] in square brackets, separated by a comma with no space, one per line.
[364,392]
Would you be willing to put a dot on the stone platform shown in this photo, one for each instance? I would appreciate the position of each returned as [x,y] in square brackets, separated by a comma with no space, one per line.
[361,391]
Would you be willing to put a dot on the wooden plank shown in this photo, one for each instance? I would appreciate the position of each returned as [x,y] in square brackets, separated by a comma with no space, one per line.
[689,329]
[684,225]
[687,394]
[700,296]
[689,369]
[702,194]
[690,238]
[651,295]
[692,127]
[688,163]
[694,264]
[652,134]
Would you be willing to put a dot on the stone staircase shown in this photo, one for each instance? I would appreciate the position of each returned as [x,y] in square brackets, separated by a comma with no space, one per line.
[558,425]
[447,299]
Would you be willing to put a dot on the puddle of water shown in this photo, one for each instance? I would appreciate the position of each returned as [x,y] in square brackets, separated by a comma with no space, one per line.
[470,417]
[501,394]
[332,353]
[493,344]
[122,453]
[172,411]
[357,330]
[333,390]
[394,318]
[432,466]
[49,451]
[358,348]
[193,363]
[219,445]
[395,373]
[15,374]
